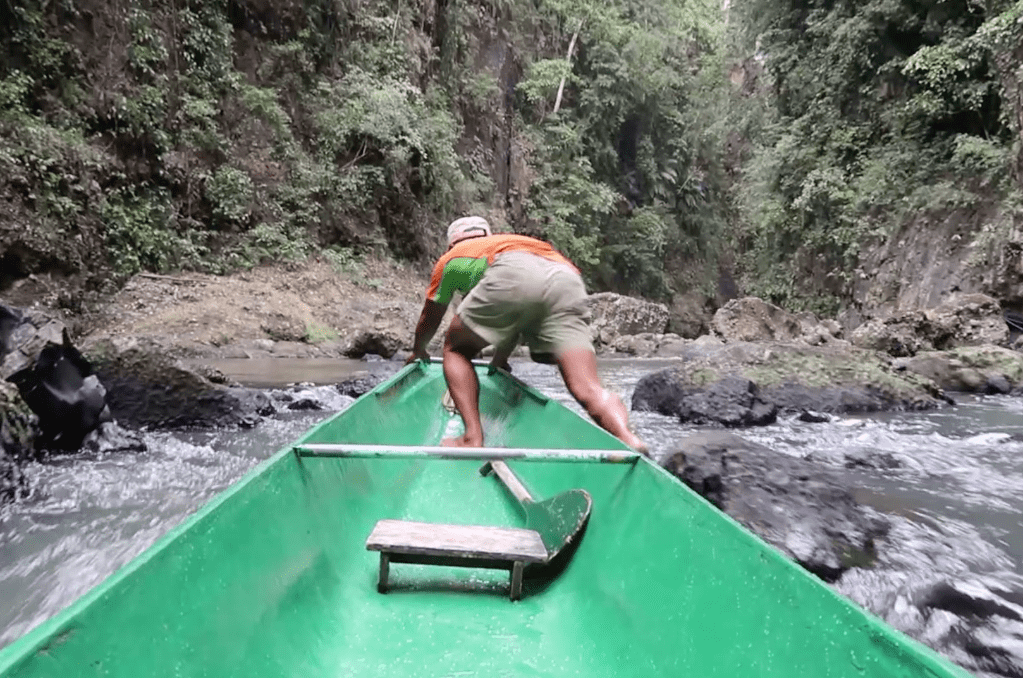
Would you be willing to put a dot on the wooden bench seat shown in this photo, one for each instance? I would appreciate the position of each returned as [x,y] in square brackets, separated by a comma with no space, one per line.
[500,548]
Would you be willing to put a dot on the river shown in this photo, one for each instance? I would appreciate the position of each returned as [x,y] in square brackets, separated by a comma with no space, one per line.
[952,486]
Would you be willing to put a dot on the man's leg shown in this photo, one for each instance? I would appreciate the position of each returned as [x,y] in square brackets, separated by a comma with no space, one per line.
[579,370]
[460,346]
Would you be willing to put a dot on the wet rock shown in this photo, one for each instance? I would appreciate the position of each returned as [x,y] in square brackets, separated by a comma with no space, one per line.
[359,386]
[752,319]
[615,315]
[146,387]
[731,401]
[309,398]
[799,507]
[809,417]
[973,369]
[111,438]
[988,622]
[64,393]
[882,461]
[790,377]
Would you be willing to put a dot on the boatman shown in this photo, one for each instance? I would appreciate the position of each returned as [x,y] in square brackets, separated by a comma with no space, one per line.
[515,288]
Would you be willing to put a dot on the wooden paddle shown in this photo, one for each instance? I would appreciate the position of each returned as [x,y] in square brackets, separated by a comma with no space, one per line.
[557,519]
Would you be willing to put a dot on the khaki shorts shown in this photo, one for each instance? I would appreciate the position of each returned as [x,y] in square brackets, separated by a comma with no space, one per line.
[524,297]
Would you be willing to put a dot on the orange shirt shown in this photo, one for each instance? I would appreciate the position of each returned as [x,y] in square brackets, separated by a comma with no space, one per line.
[464,264]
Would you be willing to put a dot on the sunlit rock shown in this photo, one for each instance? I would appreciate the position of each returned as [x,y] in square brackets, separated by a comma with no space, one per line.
[616,315]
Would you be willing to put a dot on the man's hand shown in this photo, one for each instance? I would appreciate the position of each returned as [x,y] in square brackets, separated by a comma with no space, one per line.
[429,321]
[418,355]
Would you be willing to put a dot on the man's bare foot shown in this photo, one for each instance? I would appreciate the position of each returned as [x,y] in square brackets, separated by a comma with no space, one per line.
[635,443]
[462,441]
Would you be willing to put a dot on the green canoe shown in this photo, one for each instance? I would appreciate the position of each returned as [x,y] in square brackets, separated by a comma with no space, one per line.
[273,577]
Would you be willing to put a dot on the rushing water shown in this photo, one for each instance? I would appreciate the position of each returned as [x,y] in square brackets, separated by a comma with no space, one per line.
[950,481]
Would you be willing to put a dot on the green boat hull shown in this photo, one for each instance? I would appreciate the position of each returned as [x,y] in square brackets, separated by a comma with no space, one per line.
[272,578]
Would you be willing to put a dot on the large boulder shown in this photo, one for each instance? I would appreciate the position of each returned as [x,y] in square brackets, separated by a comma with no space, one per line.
[970,369]
[801,508]
[967,320]
[385,332]
[961,320]
[688,316]
[615,315]
[793,378]
[752,319]
[146,387]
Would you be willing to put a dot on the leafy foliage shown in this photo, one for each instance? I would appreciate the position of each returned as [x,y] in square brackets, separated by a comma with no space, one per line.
[881,109]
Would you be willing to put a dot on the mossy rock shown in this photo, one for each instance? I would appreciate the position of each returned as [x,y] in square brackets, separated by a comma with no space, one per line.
[795,378]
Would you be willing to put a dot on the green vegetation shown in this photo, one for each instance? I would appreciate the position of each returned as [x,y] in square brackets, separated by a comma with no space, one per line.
[781,139]
[881,112]
[214,135]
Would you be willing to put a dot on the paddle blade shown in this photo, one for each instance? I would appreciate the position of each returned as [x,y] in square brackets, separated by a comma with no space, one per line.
[559,518]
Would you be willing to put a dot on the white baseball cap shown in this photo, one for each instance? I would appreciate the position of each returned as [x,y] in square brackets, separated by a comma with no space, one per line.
[467,227]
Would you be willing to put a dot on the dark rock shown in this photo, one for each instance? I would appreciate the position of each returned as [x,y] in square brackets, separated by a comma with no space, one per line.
[359,386]
[813,417]
[800,507]
[65,395]
[10,318]
[146,387]
[874,460]
[305,405]
[731,401]
[382,342]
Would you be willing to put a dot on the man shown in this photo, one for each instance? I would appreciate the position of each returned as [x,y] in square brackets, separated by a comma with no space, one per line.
[514,287]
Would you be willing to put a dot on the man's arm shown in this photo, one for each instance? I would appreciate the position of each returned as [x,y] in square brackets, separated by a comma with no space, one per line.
[429,321]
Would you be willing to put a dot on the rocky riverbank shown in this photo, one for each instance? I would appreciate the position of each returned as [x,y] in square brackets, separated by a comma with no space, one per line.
[149,343]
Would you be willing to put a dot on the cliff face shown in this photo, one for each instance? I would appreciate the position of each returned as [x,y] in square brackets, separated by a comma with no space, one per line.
[217,133]
[934,256]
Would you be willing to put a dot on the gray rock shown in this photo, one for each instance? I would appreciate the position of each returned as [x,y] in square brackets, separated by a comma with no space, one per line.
[615,315]
[971,369]
[688,316]
[789,377]
[752,319]
[801,508]
[961,320]
[25,338]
